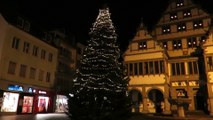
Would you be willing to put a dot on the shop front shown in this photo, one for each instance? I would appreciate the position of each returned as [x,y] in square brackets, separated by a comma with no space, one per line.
[17,99]
[61,103]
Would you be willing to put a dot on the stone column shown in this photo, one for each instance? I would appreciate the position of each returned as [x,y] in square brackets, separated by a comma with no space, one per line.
[167,107]
[181,112]
[210,101]
[145,107]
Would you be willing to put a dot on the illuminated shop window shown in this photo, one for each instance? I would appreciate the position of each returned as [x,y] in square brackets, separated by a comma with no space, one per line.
[10,102]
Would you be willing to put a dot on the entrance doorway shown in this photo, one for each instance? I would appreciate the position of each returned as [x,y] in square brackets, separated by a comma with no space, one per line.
[136,99]
[156,96]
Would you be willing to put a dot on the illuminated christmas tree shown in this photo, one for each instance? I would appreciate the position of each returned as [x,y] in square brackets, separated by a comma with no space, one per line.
[100,88]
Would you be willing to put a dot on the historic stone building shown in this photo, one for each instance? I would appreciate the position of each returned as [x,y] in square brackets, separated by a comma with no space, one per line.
[172,61]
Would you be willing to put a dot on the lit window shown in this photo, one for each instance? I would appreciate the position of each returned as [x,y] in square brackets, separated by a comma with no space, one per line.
[166,29]
[165,45]
[203,39]
[192,42]
[173,16]
[187,13]
[180,3]
[181,27]
[177,44]
[142,45]
[198,24]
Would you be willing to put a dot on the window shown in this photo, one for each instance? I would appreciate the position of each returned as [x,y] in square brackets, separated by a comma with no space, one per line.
[140,68]
[15,42]
[203,39]
[165,45]
[43,53]
[198,24]
[178,68]
[48,77]
[20,22]
[26,47]
[179,3]
[142,45]
[27,26]
[173,16]
[32,73]
[162,70]
[130,69]
[156,67]
[35,50]
[135,69]
[50,57]
[187,13]
[177,44]
[181,27]
[41,75]
[151,67]
[166,29]
[23,70]
[192,66]
[191,42]
[11,67]
[209,63]
[146,68]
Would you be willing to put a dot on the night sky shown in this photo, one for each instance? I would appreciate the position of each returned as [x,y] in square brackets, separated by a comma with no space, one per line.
[77,16]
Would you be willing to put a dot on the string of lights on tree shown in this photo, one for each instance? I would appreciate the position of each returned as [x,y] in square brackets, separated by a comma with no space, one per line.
[101,84]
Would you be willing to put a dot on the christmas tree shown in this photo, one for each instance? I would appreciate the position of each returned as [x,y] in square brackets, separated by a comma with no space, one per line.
[100,88]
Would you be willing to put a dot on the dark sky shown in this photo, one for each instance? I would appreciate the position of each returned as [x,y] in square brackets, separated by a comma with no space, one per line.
[78,16]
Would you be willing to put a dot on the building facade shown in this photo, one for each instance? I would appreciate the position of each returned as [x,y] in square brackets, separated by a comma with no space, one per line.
[172,61]
[28,67]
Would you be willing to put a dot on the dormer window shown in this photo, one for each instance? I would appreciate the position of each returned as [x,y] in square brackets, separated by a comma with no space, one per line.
[20,22]
[181,27]
[166,29]
[23,24]
[187,13]
[179,3]
[142,45]
[198,24]
[173,16]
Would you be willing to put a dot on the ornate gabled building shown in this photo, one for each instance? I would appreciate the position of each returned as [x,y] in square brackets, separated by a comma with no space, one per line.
[172,61]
